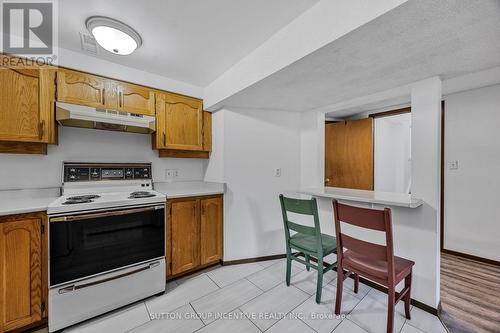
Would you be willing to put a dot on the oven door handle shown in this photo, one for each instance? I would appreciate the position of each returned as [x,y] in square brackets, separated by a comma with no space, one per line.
[103,214]
[90,284]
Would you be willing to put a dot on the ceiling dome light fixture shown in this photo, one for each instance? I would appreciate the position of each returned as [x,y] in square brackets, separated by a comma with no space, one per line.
[114,36]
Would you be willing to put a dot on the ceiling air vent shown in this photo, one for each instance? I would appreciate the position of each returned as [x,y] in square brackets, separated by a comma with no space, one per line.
[89,44]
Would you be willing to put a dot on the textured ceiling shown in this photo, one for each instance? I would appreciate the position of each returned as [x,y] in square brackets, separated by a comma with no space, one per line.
[417,40]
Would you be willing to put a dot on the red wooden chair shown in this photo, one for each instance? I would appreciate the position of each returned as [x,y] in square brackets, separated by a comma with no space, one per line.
[372,261]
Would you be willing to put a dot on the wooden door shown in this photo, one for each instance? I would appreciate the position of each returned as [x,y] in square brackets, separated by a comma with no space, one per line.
[26,104]
[85,89]
[20,273]
[349,154]
[179,122]
[211,230]
[136,99]
[185,235]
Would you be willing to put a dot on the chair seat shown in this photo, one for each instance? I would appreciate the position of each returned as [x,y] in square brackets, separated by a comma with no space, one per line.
[309,243]
[376,268]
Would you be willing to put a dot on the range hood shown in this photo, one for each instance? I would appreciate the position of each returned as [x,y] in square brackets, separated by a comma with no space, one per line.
[87,117]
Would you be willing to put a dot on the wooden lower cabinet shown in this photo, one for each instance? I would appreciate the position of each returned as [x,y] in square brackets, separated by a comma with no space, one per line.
[23,275]
[194,233]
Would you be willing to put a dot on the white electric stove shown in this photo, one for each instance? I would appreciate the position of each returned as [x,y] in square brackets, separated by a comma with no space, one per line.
[106,241]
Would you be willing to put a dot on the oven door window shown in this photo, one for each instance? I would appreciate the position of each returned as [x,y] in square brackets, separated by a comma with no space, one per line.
[94,243]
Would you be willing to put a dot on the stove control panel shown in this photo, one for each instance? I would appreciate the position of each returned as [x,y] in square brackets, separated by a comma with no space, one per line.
[81,172]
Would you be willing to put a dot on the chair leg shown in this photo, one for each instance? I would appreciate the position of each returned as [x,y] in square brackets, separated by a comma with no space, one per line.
[340,285]
[308,261]
[408,296]
[390,309]
[288,268]
[356,283]
[319,285]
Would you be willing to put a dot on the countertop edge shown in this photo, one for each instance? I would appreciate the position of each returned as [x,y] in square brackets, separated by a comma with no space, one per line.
[17,211]
[413,204]
[193,194]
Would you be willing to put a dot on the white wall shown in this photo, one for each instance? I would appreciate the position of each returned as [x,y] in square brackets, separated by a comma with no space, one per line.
[87,145]
[471,206]
[312,149]
[392,153]
[255,143]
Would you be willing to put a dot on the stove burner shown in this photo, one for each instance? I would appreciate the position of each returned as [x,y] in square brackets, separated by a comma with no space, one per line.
[141,194]
[84,197]
[78,199]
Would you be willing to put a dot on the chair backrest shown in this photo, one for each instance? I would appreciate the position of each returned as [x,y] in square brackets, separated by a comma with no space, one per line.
[302,207]
[374,219]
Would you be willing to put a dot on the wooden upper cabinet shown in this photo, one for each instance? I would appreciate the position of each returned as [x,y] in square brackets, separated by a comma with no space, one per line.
[27,105]
[135,99]
[179,122]
[84,89]
[211,230]
[20,273]
[185,235]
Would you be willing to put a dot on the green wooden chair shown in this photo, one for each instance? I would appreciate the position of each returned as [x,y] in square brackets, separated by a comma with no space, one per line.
[308,241]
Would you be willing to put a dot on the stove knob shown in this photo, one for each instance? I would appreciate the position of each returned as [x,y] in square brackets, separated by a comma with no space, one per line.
[72,177]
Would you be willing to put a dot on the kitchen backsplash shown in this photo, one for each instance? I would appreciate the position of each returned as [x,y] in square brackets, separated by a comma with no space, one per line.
[83,145]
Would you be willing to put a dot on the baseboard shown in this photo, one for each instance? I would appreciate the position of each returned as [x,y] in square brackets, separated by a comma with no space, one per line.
[471,257]
[250,260]
[414,302]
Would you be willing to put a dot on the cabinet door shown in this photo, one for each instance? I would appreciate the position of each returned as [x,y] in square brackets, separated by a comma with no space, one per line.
[26,104]
[185,235]
[179,122]
[211,230]
[20,273]
[207,131]
[84,89]
[136,99]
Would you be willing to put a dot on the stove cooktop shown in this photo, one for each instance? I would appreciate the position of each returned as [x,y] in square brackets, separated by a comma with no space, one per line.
[98,186]
[86,202]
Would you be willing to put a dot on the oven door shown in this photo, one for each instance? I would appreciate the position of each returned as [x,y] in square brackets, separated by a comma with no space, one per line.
[93,243]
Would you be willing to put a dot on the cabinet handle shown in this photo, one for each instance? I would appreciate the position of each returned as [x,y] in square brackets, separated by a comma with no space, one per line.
[120,98]
[103,93]
[164,139]
[194,210]
[202,210]
[41,129]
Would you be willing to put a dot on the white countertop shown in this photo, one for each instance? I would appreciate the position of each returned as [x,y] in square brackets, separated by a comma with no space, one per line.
[374,197]
[26,201]
[188,189]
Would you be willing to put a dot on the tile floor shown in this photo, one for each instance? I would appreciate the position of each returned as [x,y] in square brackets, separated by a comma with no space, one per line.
[254,298]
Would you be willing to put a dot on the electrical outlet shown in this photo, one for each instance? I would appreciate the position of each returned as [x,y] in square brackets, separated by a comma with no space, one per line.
[169,174]
[176,173]
[453,165]
[277,172]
